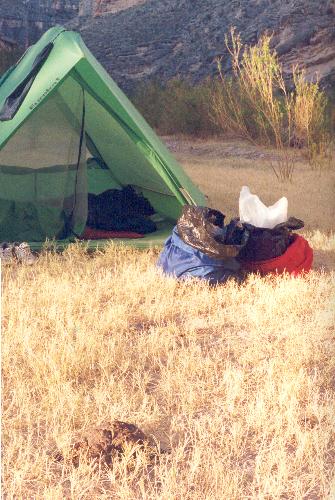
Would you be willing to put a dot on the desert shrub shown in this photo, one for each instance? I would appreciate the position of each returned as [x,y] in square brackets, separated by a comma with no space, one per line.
[256,104]
[177,107]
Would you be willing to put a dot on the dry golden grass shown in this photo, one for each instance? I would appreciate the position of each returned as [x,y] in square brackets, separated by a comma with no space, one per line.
[237,381]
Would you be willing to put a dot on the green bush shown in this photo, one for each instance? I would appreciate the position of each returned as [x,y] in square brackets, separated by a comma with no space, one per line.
[177,107]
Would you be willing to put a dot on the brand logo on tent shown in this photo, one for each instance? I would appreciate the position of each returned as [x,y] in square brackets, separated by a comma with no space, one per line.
[45,93]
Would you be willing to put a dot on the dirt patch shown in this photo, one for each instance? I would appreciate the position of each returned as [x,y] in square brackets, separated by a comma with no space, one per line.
[220,149]
[109,442]
[324,260]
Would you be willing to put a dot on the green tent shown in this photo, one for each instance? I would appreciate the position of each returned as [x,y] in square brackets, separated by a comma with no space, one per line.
[66,130]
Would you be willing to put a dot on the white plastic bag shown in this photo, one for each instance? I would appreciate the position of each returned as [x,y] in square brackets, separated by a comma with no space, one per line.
[253,211]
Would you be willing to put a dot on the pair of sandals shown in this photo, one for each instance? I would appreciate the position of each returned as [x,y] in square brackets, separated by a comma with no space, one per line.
[19,252]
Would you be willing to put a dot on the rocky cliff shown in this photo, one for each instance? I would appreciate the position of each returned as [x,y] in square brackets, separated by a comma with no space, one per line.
[23,21]
[183,37]
[139,40]
[104,6]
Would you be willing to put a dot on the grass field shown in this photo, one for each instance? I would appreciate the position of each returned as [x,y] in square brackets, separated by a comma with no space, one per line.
[237,382]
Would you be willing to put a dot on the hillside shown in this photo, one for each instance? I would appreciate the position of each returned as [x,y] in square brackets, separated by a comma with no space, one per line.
[183,37]
[139,40]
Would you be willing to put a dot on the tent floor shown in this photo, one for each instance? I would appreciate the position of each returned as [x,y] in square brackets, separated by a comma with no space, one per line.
[155,239]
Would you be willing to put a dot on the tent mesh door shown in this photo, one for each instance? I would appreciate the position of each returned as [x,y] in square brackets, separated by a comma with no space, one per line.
[43,180]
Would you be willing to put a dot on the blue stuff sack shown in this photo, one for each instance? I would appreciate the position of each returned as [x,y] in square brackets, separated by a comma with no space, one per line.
[183,261]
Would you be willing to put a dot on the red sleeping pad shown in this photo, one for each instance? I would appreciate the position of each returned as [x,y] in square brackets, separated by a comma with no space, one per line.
[297,259]
[99,234]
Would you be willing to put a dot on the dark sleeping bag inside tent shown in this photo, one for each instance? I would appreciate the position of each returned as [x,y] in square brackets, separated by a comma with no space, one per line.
[114,211]
[120,210]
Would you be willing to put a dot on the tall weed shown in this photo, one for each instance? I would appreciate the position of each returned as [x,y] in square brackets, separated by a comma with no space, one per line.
[256,104]
[312,119]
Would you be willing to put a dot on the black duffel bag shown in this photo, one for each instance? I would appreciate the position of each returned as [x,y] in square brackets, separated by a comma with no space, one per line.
[266,244]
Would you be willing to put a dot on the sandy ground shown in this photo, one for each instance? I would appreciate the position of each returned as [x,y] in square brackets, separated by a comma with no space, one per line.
[221,167]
